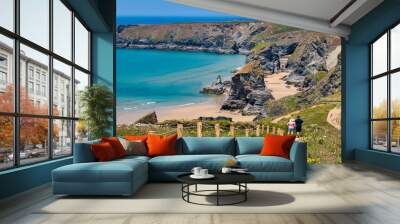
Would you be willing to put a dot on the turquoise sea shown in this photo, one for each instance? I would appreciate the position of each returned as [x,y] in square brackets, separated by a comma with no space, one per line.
[150,79]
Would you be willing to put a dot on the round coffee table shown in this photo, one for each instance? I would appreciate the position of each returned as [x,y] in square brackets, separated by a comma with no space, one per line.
[238,179]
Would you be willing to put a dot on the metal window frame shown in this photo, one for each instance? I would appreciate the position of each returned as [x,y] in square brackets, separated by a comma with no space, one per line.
[16,114]
[388,74]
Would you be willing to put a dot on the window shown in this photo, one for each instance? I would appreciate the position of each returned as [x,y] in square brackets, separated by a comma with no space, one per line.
[7,14]
[3,78]
[46,74]
[37,89]
[34,21]
[44,91]
[62,137]
[62,29]
[30,88]
[6,142]
[7,74]
[33,140]
[30,72]
[81,45]
[385,95]
[81,82]
[62,74]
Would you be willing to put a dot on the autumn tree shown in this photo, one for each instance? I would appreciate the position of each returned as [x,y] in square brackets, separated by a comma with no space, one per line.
[33,131]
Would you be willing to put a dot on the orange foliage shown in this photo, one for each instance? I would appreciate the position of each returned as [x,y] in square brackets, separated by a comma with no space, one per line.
[33,130]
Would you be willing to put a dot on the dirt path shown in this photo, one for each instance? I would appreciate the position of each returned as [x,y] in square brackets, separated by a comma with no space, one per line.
[278,87]
[289,115]
[332,59]
[334,117]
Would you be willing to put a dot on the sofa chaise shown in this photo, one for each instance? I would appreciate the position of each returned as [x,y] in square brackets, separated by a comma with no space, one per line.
[125,176]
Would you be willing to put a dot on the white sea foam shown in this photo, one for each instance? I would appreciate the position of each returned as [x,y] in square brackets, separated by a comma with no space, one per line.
[186,104]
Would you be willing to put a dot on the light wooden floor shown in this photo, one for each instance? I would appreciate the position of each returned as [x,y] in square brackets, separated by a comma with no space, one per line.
[379,189]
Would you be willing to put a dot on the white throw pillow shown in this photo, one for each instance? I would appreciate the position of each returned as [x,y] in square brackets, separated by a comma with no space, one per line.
[137,148]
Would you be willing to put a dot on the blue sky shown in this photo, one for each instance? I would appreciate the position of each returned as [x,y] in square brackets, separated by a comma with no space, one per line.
[161,8]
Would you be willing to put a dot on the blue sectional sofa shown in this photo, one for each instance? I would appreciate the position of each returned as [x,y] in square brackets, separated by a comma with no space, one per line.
[125,176]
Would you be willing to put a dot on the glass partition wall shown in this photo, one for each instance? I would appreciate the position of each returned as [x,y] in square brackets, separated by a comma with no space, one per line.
[44,64]
[385,91]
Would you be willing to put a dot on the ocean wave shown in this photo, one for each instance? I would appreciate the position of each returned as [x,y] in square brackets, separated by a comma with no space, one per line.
[186,104]
[129,108]
[150,102]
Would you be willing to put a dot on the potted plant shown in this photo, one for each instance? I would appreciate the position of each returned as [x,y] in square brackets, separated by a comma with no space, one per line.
[96,102]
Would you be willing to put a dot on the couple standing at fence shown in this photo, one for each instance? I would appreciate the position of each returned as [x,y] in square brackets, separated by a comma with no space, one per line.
[294,126]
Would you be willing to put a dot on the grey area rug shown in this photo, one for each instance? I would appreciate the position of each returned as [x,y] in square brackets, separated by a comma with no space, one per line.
[166,198]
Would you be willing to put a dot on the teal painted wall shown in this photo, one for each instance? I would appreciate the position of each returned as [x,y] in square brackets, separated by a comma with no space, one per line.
[355,91]
[24,178]
[103,61]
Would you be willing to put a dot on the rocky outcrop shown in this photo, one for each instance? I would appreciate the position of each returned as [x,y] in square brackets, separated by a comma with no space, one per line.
[150,118]
[269,56]
[217,87]
[248,92]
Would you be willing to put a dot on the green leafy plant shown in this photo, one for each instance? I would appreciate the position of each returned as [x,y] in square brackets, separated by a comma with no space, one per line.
[97,104]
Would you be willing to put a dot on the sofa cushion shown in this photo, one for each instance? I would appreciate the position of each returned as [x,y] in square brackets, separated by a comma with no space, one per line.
[136,147]
[103,152]
[249,145]
[276,145]
[112,171]
[185,163]
[159,145]
[116,145]
[257,163]
[206,145]
[83,152]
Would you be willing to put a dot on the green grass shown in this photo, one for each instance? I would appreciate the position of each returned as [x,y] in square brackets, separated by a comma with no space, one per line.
[320,75]
[323,140]
[261,45]
[276,28]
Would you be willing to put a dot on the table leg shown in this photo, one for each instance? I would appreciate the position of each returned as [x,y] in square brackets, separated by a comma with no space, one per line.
[195,188]
[245,193]
[188,190]
[217,194]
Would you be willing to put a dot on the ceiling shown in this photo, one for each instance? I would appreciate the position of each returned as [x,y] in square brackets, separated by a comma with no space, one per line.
[327,16]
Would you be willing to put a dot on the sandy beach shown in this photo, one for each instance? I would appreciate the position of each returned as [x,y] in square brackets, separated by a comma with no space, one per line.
[210,108]
[278,86]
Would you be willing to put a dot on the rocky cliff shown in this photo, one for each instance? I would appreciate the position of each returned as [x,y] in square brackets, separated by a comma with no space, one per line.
[248,92]
[229,37]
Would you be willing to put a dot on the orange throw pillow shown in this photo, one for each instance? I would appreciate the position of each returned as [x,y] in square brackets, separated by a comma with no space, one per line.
[142,138]
[103,152]
[116,145]
[275,145]
[161,145]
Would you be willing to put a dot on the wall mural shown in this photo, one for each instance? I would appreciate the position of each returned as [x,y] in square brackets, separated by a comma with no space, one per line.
[201,73]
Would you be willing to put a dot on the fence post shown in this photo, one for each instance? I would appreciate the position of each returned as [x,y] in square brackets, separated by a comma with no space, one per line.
[199,129]
[232,130]
[273,130]
[179,130]
[258,130]
[262,129]
[267,129]
[247,132]
[279,131]
[217,130]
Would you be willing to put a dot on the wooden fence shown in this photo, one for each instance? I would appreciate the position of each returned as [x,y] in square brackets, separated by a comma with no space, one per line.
[258,130]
